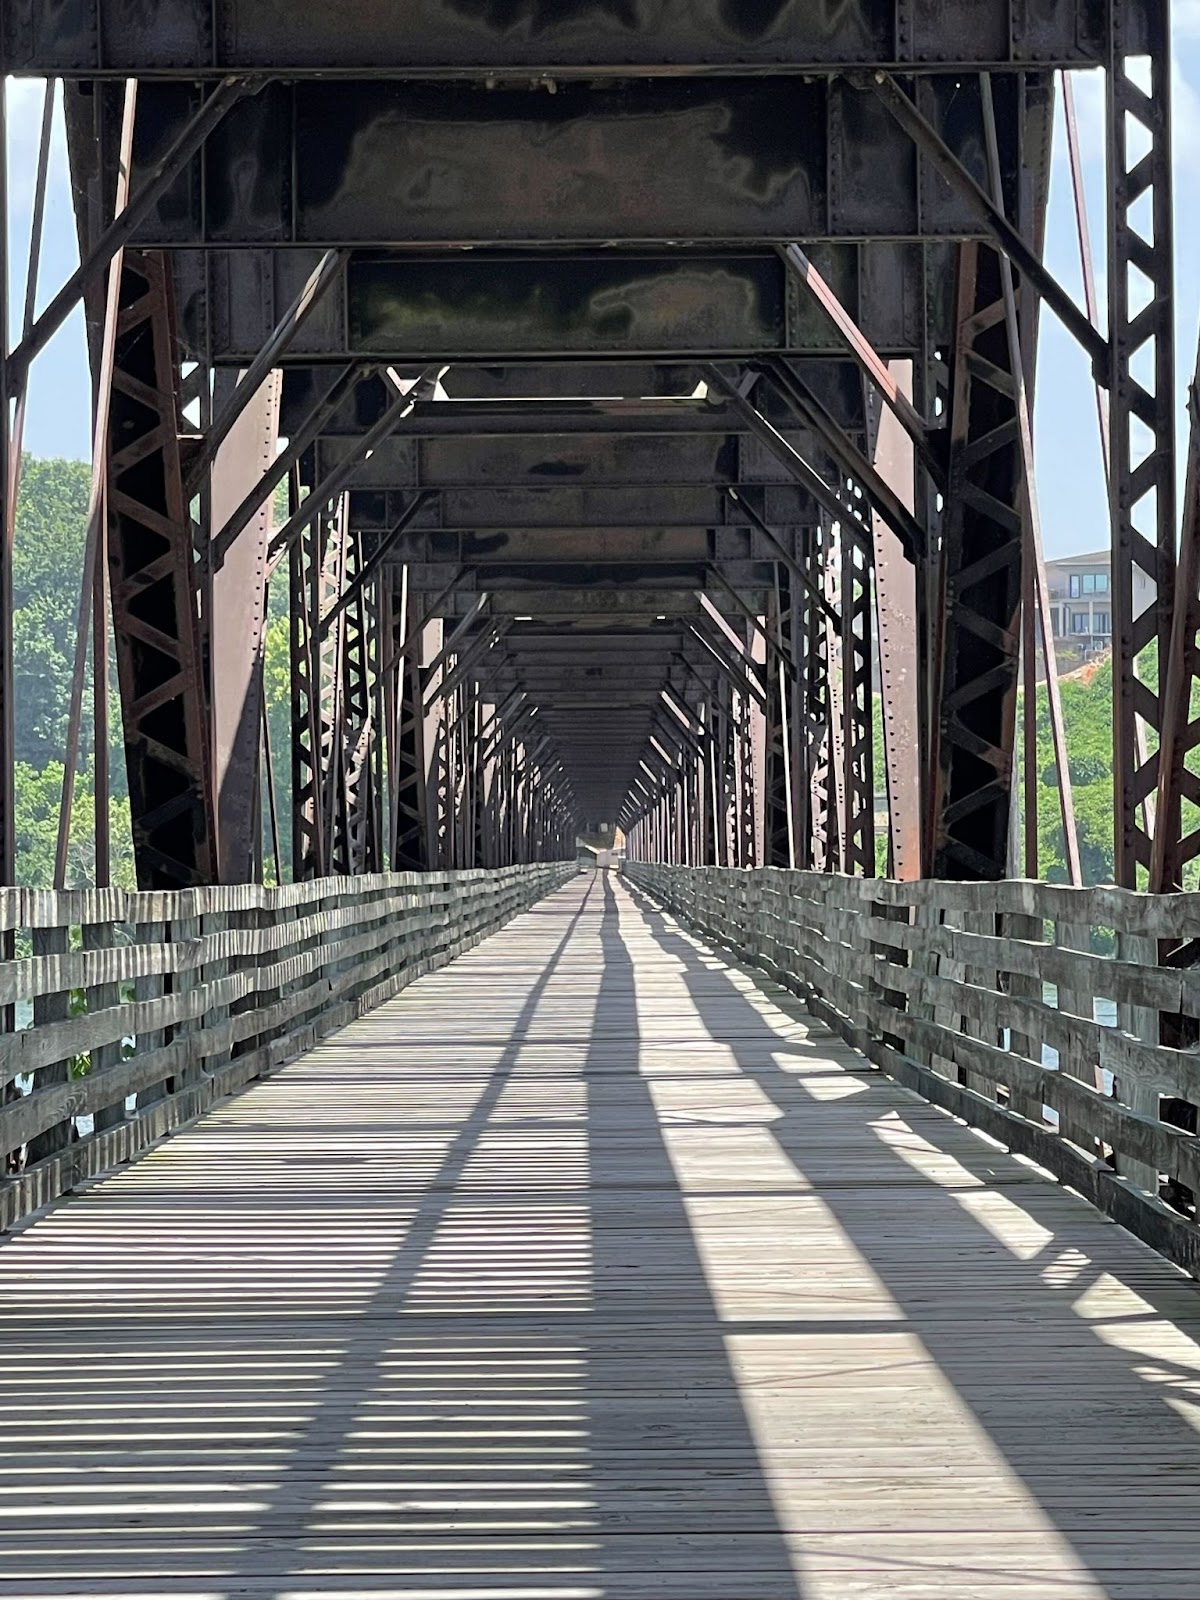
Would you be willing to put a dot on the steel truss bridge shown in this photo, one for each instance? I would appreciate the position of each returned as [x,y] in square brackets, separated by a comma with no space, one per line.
[632,401]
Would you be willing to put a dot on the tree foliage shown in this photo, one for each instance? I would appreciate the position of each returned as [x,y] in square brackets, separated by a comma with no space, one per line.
[1088,722]
[48,550]
[48,554]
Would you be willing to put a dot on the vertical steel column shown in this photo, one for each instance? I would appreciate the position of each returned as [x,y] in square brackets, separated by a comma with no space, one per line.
[359,669]
[979,589]
[1142,424]
[412,852]
[235,630]
[723,837]
[8,832]
[897,617]
[304,580]
[820,833]
[858,732]
[153,593]
[1180,734]
[834,540]
[743,783]
[391,624]
[780,844]
[330,686]
[438,775]
[756,716]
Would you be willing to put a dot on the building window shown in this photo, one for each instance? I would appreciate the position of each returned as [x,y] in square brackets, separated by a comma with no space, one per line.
[1055,621]
[1079,622]
[1088,583]
[1101,622]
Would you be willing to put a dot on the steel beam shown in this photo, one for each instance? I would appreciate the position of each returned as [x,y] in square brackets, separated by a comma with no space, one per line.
[385,164]
[265,360]
[8,835]
[153,594]
[304,568]
[898,632]
[416,819]
[980,583]
[394,306]
[235,634]
[424,38]
[156,174]
[1142,486]
[1019,248]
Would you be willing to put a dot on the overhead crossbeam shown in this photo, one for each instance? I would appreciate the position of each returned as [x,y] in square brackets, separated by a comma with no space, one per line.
[657,157]
[501,305]
[437,37]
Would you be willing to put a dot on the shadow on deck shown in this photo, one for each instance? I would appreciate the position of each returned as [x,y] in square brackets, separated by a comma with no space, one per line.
[584,1270]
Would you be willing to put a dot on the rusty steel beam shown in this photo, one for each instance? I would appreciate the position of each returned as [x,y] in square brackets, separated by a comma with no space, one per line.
[321,279]
[304,569]
[874,367]
[1142,490]
[967,812]
[898,633]
[1008,238]
[153,594]
[154,178]
[238,596]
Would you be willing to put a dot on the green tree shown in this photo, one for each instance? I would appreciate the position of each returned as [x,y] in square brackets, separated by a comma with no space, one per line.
[38,797]
[48,549]
[47,566]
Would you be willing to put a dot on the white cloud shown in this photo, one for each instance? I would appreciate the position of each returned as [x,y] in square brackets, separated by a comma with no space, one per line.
[1185,19]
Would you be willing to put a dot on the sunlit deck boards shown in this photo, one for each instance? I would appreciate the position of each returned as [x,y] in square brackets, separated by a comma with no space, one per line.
[582,1270]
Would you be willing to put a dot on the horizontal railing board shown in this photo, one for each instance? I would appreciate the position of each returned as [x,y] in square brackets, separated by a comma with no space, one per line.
[922,979]
[308,958]
[31,977]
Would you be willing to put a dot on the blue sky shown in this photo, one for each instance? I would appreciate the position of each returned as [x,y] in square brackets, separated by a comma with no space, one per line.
[1069,477]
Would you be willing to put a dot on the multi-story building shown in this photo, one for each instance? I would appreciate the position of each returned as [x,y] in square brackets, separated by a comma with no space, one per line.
[1081,616]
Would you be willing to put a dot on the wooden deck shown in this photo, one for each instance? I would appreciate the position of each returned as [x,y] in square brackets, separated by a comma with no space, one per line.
[584,1270]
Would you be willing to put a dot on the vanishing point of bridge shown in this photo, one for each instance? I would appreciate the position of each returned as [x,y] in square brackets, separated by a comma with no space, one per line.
[627,403]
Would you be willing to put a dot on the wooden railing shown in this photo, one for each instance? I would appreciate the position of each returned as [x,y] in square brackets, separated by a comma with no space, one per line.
[128,1014]
[1051,1018]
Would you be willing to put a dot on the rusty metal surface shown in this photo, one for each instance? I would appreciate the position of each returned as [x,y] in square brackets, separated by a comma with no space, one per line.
[238,592]
[1142,481]
[638,434]
[153,595]
[975,720]
[898,633]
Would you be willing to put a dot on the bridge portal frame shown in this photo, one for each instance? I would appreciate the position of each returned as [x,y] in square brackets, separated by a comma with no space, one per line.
[902,201]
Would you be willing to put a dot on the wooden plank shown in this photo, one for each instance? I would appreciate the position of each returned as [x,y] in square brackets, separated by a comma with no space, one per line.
[913,997]
[273,969]
[591,1266]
